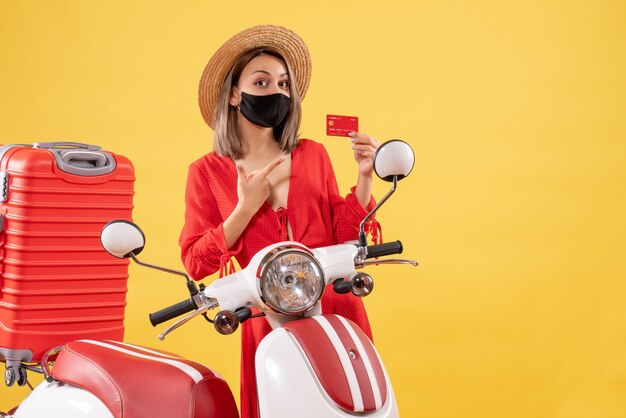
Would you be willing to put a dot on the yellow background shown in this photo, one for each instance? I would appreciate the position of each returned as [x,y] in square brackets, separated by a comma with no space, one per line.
[516,207]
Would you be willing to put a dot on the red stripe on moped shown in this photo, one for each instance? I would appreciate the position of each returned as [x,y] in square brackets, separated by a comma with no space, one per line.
[348,370]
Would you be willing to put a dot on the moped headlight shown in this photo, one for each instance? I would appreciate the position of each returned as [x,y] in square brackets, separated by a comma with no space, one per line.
[291,280]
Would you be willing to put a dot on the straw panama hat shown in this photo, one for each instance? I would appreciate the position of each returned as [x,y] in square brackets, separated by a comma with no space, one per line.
[291,46]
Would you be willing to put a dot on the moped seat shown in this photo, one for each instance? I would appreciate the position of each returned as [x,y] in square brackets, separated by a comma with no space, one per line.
[138,382]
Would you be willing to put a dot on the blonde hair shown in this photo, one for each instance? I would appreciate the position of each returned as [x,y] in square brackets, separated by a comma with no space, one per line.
[227,140]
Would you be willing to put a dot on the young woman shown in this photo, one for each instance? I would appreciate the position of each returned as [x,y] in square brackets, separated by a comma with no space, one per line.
[263,184]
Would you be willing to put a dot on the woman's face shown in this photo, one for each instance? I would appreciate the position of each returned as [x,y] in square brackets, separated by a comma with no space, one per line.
[264,74]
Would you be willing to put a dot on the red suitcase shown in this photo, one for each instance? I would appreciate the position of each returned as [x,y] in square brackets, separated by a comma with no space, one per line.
[57,283]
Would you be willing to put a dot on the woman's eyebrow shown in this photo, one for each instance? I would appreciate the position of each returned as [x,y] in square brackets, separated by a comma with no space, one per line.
[268,73]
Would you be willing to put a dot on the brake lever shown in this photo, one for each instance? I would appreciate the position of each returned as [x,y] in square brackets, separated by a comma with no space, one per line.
[414,263]
[210,304]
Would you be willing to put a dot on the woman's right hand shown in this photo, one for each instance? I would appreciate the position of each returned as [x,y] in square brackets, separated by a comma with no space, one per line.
[253,189]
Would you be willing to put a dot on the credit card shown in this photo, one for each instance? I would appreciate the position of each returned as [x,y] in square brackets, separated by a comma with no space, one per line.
[337,125]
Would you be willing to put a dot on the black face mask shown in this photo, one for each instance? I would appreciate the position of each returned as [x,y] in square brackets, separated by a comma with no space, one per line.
[267,111]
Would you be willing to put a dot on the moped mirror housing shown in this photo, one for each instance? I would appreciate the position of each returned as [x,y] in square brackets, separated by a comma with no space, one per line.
[394,158]
[122,239]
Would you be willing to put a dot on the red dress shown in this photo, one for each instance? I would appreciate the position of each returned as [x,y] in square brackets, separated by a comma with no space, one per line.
[318,215]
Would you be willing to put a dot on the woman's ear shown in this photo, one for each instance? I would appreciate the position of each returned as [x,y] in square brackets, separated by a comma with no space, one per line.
[234,99]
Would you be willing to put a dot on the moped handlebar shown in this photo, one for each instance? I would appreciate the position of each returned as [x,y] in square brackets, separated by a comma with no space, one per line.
[387,248]
[170,312]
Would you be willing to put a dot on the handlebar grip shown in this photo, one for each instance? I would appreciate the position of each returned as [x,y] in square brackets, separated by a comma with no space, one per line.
[387,248]
[170,312]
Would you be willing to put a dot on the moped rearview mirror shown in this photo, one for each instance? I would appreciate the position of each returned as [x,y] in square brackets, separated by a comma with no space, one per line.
[393,161]
[122,239]
[394,158]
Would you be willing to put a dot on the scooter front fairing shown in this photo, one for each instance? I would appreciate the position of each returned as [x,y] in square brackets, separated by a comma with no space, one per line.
[322,366]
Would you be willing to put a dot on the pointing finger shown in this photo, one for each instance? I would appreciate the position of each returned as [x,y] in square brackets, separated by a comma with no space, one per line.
[268,168]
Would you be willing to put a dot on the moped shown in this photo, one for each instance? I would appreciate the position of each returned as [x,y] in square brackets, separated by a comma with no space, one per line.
[311,365]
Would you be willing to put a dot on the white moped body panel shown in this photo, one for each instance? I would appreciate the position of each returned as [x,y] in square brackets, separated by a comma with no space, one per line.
[61,400]
[241,288]
[288,387]
[337,261]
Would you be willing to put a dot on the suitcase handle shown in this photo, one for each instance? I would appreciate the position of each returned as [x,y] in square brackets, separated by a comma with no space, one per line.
[65,145]
[84,163]
[79,158]
[84,159]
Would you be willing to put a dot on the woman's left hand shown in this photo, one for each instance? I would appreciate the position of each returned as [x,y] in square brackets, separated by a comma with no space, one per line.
[364,147]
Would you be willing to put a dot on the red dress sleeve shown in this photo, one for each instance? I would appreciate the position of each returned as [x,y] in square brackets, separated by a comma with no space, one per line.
[347,213]
[202,238]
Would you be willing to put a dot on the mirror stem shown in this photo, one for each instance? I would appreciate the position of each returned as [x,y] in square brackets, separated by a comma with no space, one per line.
[193,290]
[362,236]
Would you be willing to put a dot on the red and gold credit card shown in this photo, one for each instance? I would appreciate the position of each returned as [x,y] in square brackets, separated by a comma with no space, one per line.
[337,125]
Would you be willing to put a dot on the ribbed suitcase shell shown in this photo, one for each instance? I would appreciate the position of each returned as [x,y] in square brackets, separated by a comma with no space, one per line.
[57,282]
